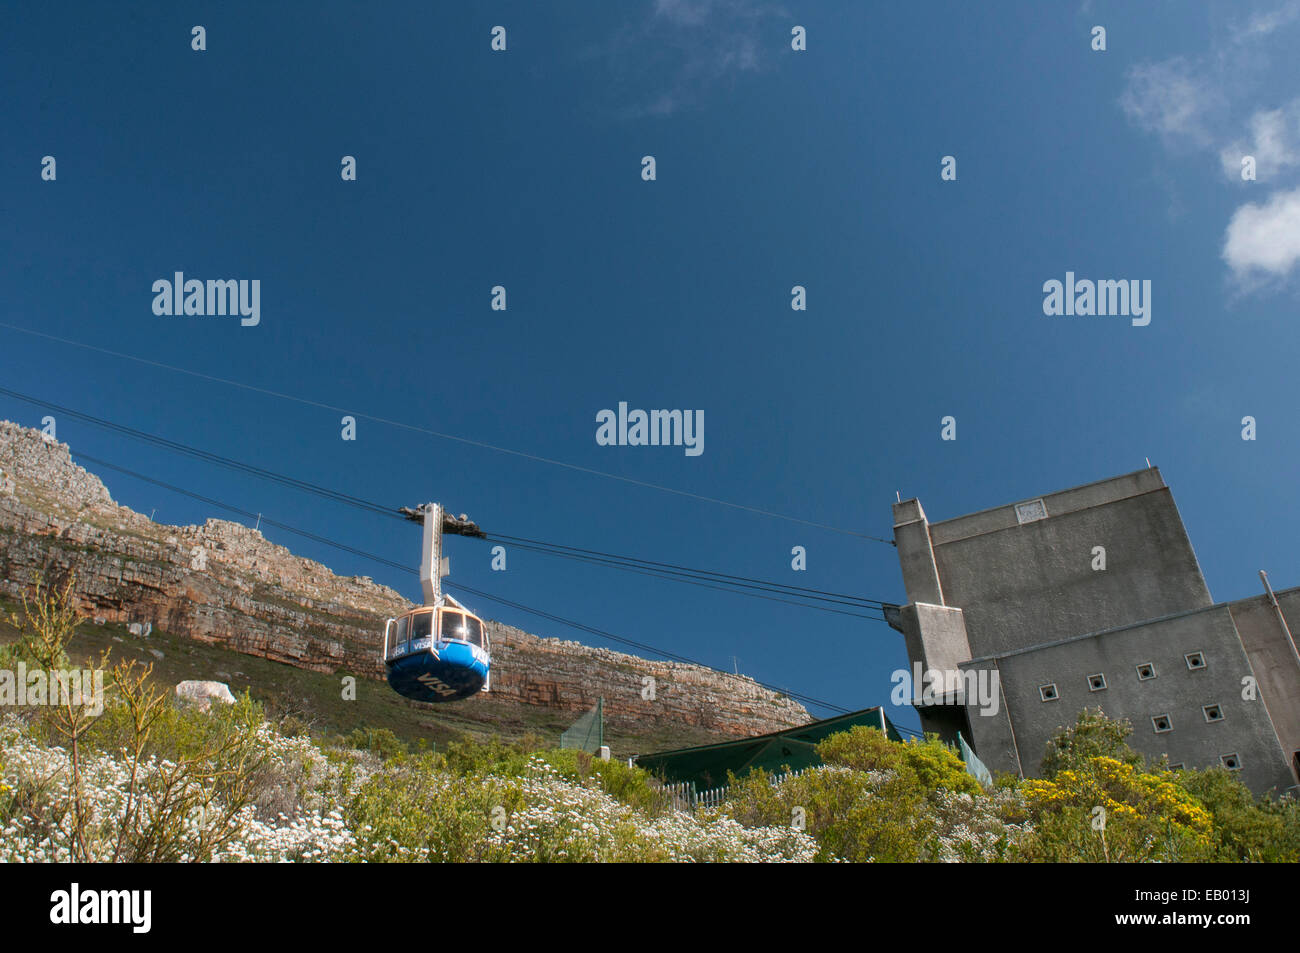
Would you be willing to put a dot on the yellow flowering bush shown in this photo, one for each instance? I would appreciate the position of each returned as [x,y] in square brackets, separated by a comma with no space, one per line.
[1110,810]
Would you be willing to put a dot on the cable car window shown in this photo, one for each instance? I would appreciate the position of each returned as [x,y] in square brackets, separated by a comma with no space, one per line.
[399,645]
[421,626]
[453,625]
[473,630]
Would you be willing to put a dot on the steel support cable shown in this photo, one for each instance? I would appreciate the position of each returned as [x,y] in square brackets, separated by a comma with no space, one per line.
[554,549]
[445,436]
[644,646]
[249,514]
[673,656]
[705,583]
[208,456]
[557,549]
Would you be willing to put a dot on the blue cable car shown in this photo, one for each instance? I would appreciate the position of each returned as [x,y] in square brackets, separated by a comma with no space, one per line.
[437,652]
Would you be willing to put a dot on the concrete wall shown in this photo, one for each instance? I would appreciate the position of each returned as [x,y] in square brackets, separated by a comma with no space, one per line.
[936,637]
[1273,661]
[1035,611]
[916,553]
[1020,585]
[936,640]
[1176,691]
[991,733]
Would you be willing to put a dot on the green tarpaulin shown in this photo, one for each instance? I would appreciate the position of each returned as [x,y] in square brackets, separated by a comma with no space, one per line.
[793,748]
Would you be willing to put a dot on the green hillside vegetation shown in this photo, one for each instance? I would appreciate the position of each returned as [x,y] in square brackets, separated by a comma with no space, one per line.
[302,701]
[148,780]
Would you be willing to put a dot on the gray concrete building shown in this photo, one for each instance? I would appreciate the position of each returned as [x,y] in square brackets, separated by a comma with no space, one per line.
[1092,598]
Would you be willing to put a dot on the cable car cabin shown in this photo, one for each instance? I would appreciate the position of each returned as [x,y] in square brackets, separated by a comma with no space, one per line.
[437,654]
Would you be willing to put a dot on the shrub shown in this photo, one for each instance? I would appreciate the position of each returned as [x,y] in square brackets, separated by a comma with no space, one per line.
[877,799]
[932,764]
[1100,801]
[1093,735]
[471,758]
[413,809]
[380,741]
[172,784]
[632,786]
[1246,828]
[1109,810]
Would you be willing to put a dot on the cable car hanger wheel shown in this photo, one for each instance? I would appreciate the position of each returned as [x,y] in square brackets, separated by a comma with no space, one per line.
[437,652]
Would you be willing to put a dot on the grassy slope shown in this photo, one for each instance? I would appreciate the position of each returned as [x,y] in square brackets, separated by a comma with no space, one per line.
[317,699]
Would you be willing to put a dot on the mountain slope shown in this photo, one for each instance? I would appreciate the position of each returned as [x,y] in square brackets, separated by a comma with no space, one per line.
[224,589]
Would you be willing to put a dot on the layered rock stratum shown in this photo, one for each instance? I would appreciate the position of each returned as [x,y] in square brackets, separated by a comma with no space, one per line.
[225,584]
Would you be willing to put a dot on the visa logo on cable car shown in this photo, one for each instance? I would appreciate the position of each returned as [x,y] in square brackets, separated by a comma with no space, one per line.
[435,685]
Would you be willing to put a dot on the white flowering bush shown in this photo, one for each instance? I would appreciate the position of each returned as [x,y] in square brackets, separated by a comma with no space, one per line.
[302,804]
[479,803]
[413,808]
[561,820]
[976,828]
[171,815]
[140,779]
[880,800]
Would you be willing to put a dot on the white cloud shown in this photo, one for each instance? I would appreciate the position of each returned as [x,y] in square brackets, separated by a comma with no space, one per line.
[680,51]
[1262,24]
[1171,99]
[1274,141]
[1224,101]
[1202,100]
[1263,241]
[685,12]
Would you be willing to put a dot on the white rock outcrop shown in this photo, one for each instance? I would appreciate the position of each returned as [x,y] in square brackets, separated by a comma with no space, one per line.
[203,694]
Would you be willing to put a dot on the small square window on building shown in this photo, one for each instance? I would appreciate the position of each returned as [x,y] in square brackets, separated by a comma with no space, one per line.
[1195,660]
[1231,761]
[1213,713]
[1146,670]
[1097,683]
[1048,693]
[1030,512]
[1161,724]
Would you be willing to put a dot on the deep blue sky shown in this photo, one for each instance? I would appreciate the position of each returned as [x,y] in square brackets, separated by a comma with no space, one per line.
[775,168]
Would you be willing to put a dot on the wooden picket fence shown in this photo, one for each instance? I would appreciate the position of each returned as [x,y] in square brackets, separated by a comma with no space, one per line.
[686,798]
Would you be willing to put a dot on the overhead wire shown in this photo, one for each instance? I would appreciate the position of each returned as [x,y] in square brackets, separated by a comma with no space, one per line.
[558,549]
[644,646]
[444,436]
[220,460]
[705,582]
[249,514]
[705,578]
[610,636]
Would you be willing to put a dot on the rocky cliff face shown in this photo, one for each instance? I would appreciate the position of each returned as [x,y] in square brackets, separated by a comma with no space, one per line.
[226,584]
